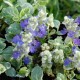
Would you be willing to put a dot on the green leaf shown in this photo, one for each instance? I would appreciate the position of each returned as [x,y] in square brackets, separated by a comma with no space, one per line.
[24,71]
[78,76]
[24,4]
[72,75]
[21,2]
[43,2]
[8,2]
[61,76]
[9,37]
[37,73]
[7,65]
[55,8]
[11,12]
[8,21]
[2,69]
[1,50]
[30,7]
[1,58]
[56,24]
[53,31]
[16,63]
[25,13]
[11,72]
[2,45]
[7,53]
[2,40]
[14,29]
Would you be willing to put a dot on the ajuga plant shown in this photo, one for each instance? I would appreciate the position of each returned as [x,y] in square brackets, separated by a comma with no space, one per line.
[35,43]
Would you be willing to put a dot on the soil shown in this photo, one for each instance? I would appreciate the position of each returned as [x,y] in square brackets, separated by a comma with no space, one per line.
[4,77]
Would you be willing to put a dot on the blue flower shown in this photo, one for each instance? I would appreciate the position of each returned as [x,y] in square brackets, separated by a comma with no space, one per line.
[71,34]
[40,32]
[67,62]
[78,28]
[76,41]
[77,20]
[73,48]
[34,45]
[17,40]
[64,31]
[69,16]
[16,54]
[26,60]
[24,23]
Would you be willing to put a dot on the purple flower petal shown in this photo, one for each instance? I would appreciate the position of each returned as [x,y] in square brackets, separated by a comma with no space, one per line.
[64,31]
[34,45]
[33,49]
[26,60]
[69,16]
[73,48]
[16,54]
[76,41]
[24,23]
[17,40]
[77,20]
[41,32]
[67,62]
[71,34]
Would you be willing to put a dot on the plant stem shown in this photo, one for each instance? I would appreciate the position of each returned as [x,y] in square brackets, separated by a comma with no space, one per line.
[29,77]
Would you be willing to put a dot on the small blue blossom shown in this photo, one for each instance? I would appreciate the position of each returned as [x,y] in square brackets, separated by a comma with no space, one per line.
[78,28]
[34,45]
[41,32]
[76,41]
[69,16]
[77,20]
[67,62]
[16,54]
[73,48]
[64,31]
[24,23]
[17,40]
[26,60]
[71,34]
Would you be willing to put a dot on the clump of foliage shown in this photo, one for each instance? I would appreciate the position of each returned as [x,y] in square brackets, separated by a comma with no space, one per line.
[34,42]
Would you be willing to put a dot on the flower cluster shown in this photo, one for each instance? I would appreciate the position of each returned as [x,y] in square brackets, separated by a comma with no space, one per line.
[33,28]
[35,31]
[72,39]
[40,41]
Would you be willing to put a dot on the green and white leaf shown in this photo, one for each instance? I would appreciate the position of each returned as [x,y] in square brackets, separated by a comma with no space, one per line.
[37,73]
[56,24]
[2,69]
[21,2]
[8,2]
[24,4]
[7,53]
[11,12]
[61,76]
[11,72]
[2,44]
[25,13]
[14,29]
[7,65]
[24,71]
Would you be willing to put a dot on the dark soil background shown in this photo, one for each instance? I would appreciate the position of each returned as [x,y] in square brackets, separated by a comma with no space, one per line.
[4,77]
